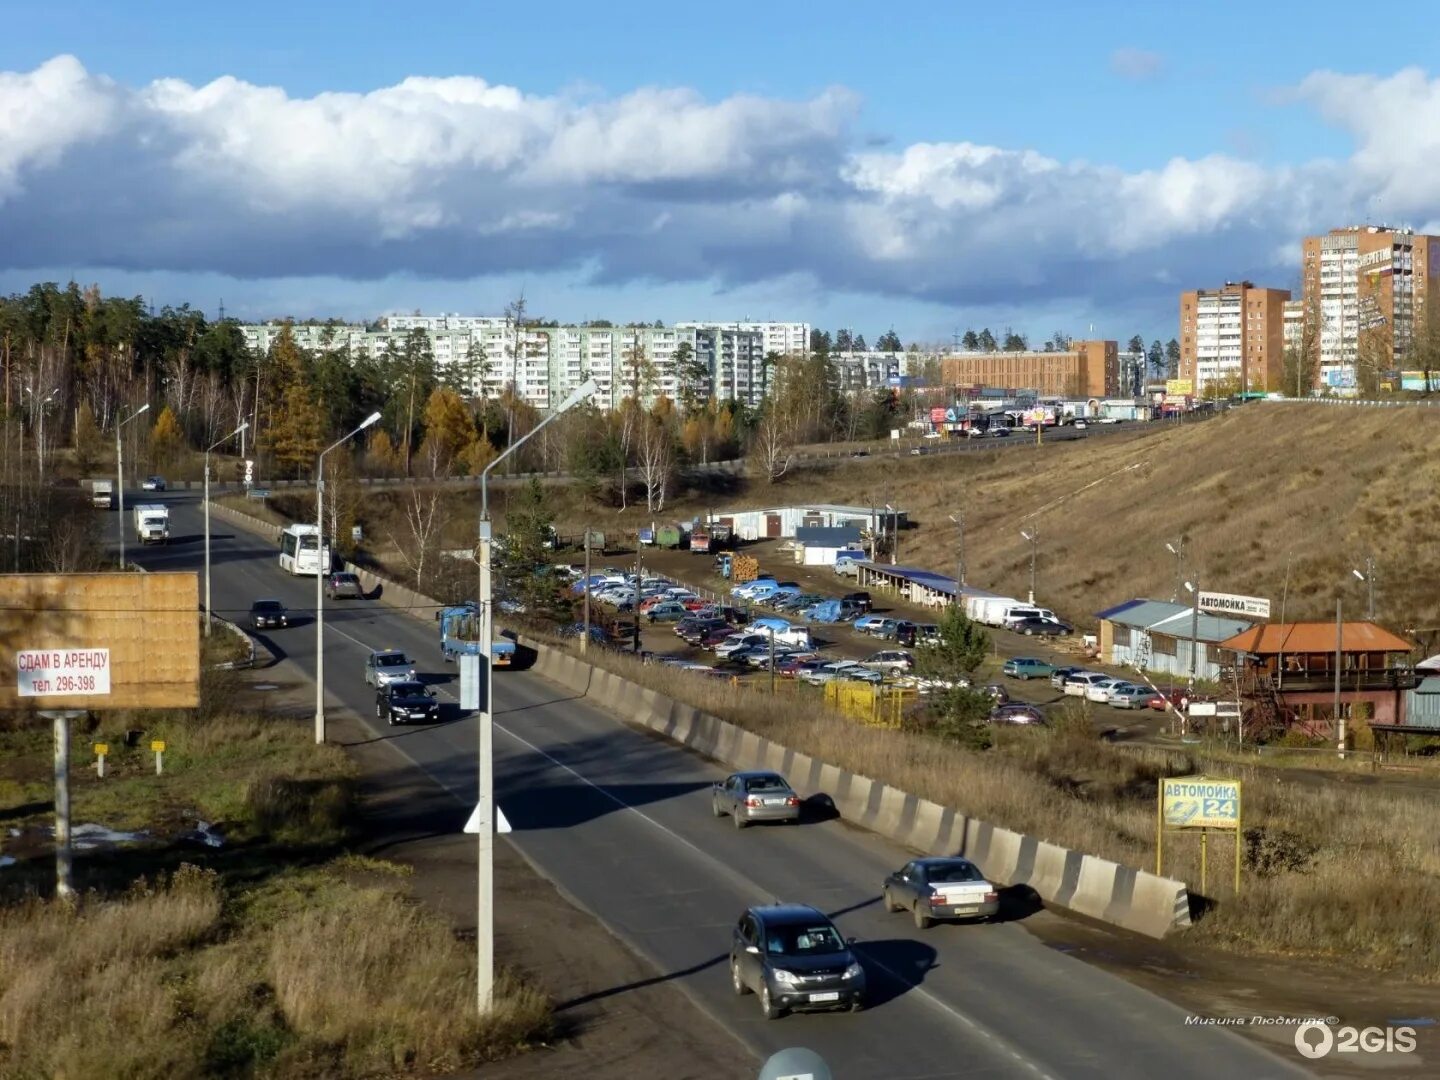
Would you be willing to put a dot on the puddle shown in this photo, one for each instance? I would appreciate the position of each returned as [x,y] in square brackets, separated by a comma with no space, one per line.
[206,834]
[88,837]
[264,686]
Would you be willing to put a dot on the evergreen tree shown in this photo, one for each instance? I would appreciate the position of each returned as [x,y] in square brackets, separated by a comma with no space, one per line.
[970,342]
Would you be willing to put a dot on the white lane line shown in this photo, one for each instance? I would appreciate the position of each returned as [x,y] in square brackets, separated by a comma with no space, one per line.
[747,887]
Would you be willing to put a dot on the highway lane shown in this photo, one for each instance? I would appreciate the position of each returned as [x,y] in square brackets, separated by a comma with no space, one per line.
[620,820]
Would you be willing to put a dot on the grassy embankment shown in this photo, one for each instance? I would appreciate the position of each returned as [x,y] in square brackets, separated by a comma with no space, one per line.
[280,952]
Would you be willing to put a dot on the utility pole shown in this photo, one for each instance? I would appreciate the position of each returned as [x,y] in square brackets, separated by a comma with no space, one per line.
[585,634]
[959,520]
[1339,716]
[636,648]
[1370,585]
[1179,554]
[1033,535]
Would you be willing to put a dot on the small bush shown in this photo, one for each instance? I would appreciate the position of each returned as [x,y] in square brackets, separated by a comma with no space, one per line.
[1268,853]
[313,811]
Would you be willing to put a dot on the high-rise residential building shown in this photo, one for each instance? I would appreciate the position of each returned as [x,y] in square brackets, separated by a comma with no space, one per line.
[1369,286]
[785,338]
[1087,369]
[1232,337]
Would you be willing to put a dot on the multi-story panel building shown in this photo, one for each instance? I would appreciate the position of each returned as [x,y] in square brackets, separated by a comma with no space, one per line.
[786,339]
[1233,336]
[1087,369]
[1369,286]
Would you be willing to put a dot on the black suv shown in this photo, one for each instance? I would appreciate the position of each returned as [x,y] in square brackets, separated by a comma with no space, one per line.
[862,599]
[405,703]
[792,956]
[268,613]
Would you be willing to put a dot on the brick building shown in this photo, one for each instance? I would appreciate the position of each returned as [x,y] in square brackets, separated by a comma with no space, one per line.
[1087,369]
[1233,337]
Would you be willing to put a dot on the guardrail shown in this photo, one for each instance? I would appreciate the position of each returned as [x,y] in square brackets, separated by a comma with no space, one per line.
[1357,402]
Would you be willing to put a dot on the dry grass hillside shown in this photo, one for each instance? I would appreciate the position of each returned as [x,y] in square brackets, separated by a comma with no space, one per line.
[1315,488]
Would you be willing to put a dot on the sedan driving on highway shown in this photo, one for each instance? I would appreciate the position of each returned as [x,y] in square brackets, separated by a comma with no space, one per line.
[792,956]
[268,614]
[406,703]
[385,666]
[754,796]
[940,888]
[343,585]
[153,483]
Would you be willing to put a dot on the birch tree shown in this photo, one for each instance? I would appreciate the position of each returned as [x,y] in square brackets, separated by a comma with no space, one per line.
[656,458]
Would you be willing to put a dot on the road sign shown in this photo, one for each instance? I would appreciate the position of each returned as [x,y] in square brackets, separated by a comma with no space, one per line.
[157,746]
[1200,802]
[470,681]
[249,472]
[62,672]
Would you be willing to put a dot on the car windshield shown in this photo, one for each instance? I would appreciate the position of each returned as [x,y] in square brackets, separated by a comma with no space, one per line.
[765,783]
[953,873]
[803,939]
[409,690]
[391,660]
[266,605]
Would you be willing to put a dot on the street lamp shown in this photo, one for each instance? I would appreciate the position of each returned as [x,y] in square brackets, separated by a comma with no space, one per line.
[959,520]
[1033,536]
[894,535]
[1194,591]
[1179,554]
[212,446]
[485,803]
[42,406]
[120,475]
[320,571]
[1368,578]
[1339,649]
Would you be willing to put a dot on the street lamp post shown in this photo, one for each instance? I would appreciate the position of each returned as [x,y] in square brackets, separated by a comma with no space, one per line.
[959,520]
[894,534]
[120,475]
[320,571]
[238,431]
[1033,536]
[485,801]
[1194,590]
[1179,554]
[42,406]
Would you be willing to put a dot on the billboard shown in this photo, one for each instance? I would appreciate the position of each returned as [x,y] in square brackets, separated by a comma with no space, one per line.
[937,415]
[100,641]
[1179,387]
[1230,604]
[1200,802]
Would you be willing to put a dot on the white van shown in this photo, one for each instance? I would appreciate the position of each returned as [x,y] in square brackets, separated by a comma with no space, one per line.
[1025,611]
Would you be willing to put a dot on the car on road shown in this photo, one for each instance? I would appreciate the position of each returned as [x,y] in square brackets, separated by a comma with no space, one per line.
[940,888]
[343,585]
[792,957]
[997,432]
[748,797]
[406,702]
[384,666]
[1041,628]
[1026,668]
[1081,681]
[1017,713]
[153,483]
[889,660]
[268,615]
[1059,675]
[1081,425]
[1132,696]
[668,611]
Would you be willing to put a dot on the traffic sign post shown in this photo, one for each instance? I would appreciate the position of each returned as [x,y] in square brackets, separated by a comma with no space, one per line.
[1203,803]
[101,749]
[158,748]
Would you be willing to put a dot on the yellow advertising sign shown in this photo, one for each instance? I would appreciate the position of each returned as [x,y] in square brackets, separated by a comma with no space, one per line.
[157,746]
[101,749]
[1200,802]
[1179,387]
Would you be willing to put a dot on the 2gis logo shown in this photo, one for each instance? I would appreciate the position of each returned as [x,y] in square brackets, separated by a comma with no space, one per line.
[1317,1039]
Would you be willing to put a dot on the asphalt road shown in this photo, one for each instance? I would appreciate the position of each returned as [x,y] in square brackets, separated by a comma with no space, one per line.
[620,820]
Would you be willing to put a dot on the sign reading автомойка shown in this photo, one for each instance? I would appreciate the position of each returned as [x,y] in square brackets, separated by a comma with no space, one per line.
[57,672]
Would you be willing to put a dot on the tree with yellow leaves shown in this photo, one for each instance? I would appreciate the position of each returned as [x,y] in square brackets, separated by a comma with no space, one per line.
[449,431]
[296,431]
[382,456]
[166,439]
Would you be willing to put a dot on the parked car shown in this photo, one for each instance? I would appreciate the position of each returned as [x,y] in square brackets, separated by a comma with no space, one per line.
[901,626]
[716,637]
[153,483]
[1131,696]
[940,888]
[861,673]
[384,666]
[668,611]
[885,628]
[1059,675]
[693,630]
[1017,713]
[997,432]
[794,667]
[735,642]
[343,585]
[834,670]
[868,623]
[793,958]
[749,797]
[405,703]
[1042,628]
[1077,684]
[1081,425]
[997,693]
[862,599]
[1025,668]
[268,614]
[889,660]
[1099,692]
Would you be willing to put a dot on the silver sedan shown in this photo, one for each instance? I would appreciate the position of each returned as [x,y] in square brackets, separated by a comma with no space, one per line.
[754,796]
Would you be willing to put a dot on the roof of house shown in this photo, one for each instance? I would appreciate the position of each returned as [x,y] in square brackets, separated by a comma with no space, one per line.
[1428,686]
[865,512]
[1173,620]
[839,536]
[928,578]
[1316,637]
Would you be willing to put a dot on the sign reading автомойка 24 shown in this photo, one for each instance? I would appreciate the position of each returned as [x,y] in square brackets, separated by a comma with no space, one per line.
[1200,802]
[60,672]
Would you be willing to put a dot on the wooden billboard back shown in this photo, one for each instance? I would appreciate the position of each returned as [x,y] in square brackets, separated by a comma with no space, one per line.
[149,622]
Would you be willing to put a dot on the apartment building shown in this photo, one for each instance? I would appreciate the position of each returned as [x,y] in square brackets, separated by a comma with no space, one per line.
[1370,286]
[785,338]
[1086,369]
[484,355]
[1233,337]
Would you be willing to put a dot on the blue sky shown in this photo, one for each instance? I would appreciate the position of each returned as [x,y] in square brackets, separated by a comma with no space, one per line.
[1043,165]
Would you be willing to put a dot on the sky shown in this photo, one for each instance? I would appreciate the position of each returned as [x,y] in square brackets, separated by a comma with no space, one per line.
[923,167]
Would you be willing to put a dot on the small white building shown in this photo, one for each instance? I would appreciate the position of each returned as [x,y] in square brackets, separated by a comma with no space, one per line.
[819,546]
[781,522]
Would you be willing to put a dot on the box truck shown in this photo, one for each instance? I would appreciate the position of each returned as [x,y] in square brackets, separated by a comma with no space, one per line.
[101,493]
[152,523]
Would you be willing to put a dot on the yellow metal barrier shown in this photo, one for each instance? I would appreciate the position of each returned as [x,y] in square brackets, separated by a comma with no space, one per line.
[875,706]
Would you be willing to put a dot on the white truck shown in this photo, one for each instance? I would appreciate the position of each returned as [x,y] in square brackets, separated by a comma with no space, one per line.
[101,493]
[152,523]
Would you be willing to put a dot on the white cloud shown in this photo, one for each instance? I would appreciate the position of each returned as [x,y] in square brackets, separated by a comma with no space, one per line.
[1138,64]
[457,178]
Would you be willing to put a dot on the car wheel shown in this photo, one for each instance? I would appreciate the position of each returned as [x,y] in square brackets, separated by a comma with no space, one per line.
[739,819]
[768,1009]
[379,712]
[715,809]
[922,920]
[391,720]
[856,1006]
[736,982]
[890,904]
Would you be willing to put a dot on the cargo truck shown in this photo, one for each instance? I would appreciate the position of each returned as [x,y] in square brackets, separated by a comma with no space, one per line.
[101,493]
[459,633]
[152,523]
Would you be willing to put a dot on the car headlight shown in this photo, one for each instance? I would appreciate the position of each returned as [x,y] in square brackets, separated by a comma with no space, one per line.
[786,978]
[854,971]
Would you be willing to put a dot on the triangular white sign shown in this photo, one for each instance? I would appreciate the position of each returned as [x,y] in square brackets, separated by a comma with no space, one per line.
[501,824]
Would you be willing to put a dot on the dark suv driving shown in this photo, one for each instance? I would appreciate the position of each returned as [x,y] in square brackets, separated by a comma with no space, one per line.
[406,703]
[265,614]
[792,956]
